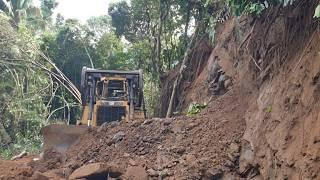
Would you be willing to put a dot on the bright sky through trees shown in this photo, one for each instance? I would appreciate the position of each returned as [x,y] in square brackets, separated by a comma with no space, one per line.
[81,9]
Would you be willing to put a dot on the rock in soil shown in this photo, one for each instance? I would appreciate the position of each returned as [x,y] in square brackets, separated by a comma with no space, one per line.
[96,171]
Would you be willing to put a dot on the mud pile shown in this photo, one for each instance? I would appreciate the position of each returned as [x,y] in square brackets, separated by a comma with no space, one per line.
[203,146]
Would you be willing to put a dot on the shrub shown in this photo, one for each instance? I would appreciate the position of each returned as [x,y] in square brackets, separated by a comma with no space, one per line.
[195,108]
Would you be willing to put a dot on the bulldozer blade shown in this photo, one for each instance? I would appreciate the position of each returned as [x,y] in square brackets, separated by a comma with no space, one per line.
[60,137]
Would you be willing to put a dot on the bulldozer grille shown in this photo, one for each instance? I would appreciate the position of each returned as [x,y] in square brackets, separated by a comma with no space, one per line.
[109,114]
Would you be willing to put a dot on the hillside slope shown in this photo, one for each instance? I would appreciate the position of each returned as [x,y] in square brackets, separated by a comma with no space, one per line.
[279,56]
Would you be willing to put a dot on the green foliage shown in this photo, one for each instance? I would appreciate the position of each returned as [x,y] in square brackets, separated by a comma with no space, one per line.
[212,29]
[3,6]
[255,8]
[146,21]
[24,91]
[17,9]
[24,12]
[251,7]
[30,143]
[317,12]
[120,13]
[99,26]
[47,7]
[269,109]
[69,48]
[151,90]
[139,56]
[157,34]
[110,53]
[195,108]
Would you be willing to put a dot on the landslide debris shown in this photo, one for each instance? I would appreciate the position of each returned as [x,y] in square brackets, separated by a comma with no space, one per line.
[180,148]
[199,147]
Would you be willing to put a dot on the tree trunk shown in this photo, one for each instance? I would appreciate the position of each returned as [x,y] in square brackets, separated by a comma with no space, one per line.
[182,68]
[4,136]
[187,25]
[159,38]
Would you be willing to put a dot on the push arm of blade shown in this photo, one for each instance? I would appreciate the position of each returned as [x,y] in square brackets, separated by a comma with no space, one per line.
[92,94]
[131,100]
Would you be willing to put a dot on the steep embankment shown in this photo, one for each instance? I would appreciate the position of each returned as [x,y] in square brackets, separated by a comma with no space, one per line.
[283,119]
[279,57]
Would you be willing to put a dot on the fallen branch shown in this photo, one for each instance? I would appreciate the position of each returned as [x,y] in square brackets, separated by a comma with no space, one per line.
[255,62]
[19,156]
[182,68]
[247,37]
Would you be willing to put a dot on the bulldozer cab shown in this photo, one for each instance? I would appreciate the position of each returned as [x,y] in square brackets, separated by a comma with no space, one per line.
[109,95]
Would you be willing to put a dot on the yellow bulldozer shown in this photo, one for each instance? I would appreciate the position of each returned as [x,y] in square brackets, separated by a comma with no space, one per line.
[107,96]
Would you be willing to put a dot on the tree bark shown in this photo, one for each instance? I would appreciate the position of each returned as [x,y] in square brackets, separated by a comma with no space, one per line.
[4,136]
[164,11]
[187,24]
[159,38]
[182,69]
[159,53]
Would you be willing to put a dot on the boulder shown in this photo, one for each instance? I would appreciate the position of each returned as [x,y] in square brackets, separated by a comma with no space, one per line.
[246,159]
[233,152]
[152,172]
[132,162]
[136,172]
[96,171]
[39,176]
[147,121]
[213,174]
[118,136]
